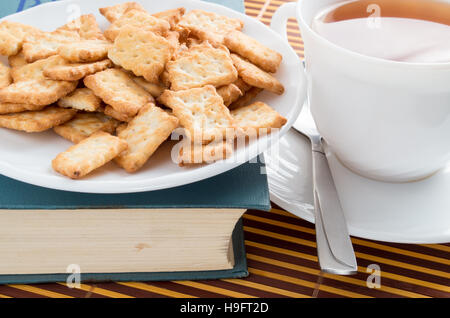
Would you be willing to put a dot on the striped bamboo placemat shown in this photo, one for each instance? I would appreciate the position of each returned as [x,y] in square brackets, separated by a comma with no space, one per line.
[281,253]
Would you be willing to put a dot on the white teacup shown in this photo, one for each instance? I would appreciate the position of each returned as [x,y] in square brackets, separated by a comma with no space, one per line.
[385,120]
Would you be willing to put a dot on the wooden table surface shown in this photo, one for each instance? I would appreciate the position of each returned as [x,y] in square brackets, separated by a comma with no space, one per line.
[281,253]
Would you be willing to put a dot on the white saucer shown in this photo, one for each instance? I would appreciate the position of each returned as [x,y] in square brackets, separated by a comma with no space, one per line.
[417,212]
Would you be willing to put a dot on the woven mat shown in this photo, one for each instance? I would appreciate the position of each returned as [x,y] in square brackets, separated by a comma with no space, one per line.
[282,258]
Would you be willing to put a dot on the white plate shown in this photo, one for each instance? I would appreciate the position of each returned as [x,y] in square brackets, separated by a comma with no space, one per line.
[417,212]
[27,157]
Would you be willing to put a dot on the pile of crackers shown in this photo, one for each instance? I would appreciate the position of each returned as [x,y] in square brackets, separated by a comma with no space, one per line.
[120,94]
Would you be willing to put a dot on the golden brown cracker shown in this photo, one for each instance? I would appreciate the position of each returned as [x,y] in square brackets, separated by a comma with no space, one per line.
[86,26]
[191,154]
[257,116]
[249,48]
[229,93]
[37,121]
[154,89]
[117,89]
[114,13]
[88,155]
[201,65]
[144,134]
[81,99]
[209,26]
[45,44]
[140,20]
[76,71]
[243,86]
[173,16]
[17,60]
[84,125]
[246,99]
[201,112]
[36,92]
[35,70]
[85,51]
[117,115]
[12,35]
[255,76]
[142,52]
[5,75]
[8,108]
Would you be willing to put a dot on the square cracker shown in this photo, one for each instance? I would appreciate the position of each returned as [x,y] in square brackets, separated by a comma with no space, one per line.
[85,51]
[5,75]
[257,116]
[138,19]
[260,55]
[246,99]
[37,121]
[173,16]
[36,69]
[114,13]
[201,112]
[117,89]
[86,26]
[229,93]
[209,26]
[154,89]
[191,154]
[201,65]
[144,134]
[88,155]
[76,71]
[256,77]
[45,44]
[142,52]
[36,92]
[8,108]
[109,111]
[84,125]
[12,35]
[81,99]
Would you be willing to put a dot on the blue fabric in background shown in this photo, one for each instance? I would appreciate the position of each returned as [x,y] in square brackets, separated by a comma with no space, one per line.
[8,7]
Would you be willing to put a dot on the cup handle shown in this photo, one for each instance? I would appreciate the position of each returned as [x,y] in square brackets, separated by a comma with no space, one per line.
[281,16]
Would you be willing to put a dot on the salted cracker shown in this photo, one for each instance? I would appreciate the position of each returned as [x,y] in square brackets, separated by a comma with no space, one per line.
[5,75]
[229,93]
[76,71]
[142,52]
[246,98]
[36,92]
[201,112]
[154,89]
[81,99]
[45,44]
[257,53]
[191,154]
[117,115]
[114,13]
[85,51]
[86,26]
[201,65]
[17,60]
[37,121]
[256,77]
[144,134]
[138,19]
[9,108]
[117,88]
[173,16]
[84,125]
[36,69]
[12,35]
[257,116]
[88,155]
[209,26]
